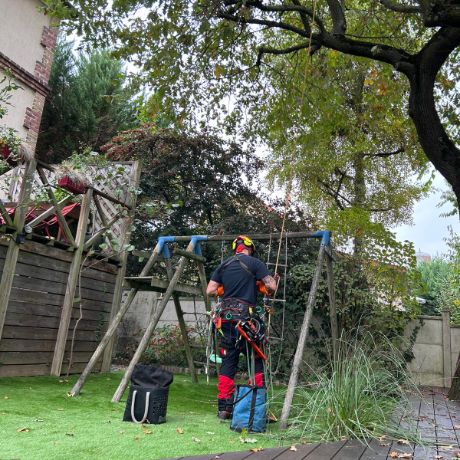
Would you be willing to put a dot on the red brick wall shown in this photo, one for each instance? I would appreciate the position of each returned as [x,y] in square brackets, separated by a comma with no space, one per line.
[42,74]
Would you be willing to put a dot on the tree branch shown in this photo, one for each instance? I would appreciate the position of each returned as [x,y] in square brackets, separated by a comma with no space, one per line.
[385,154]
[268,50]
[339,24]
[400,8]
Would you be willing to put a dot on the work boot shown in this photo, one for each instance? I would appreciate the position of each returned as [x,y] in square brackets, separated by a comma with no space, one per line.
[224,415]
[224,408]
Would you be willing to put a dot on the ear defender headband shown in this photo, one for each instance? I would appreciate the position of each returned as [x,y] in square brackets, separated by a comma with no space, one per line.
[243,239]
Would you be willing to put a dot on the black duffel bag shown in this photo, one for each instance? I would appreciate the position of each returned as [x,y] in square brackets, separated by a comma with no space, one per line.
[148,395]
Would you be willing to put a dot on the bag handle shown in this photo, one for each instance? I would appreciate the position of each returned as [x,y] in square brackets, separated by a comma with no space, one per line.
[133,402]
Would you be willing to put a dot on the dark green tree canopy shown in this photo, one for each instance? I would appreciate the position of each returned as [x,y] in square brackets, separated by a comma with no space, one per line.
[89,102]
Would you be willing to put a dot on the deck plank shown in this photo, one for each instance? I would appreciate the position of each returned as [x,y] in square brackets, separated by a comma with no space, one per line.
[326,451]
[302,451]
[376,450]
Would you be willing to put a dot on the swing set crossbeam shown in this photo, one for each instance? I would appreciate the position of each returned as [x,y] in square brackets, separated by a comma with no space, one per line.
[323,234]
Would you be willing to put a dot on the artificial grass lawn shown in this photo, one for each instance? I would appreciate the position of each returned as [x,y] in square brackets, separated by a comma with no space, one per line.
[39,421]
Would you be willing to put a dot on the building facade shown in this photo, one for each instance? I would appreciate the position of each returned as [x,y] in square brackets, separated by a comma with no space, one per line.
[27,42]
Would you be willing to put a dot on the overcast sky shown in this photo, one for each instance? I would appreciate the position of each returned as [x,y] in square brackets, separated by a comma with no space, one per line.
[430,230]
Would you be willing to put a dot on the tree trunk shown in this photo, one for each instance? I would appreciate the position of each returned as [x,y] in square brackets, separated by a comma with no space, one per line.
[437,145]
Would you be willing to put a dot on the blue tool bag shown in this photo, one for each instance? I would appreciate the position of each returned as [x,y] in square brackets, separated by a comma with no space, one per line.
[250,409]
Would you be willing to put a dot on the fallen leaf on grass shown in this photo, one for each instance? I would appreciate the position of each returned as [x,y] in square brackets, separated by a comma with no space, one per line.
[21,430]
[6,397]
[403,441]
[393,454]
[60,408]
[63,381]
[70,434]
[180,430]
[256,449]
[38,420]
[136,438]
[148,431]
[195,439]
[210,432]
[249,440]
[294,448]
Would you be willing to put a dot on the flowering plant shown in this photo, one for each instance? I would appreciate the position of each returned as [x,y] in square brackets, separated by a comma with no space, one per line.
[10,143]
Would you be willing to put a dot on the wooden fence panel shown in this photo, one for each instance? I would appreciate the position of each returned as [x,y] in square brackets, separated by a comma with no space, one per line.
[34,310]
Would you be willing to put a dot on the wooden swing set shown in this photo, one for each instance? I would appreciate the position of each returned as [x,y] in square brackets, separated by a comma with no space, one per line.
[164,251]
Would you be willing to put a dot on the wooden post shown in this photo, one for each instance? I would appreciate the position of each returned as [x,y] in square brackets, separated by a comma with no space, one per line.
[446,348]
[113,326]
[125,238]
[301,343]
[11,258]
[182,326]
[5,215]
[72,281]
[204,285]
[332,307]
[57,208]
[151,327]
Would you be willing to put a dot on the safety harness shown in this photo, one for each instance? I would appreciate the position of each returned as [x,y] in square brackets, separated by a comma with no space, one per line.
[249,324]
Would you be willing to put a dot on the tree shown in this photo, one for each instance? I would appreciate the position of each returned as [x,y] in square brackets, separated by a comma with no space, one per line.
[196,183]
[347,166]
[176,41]
[88,103]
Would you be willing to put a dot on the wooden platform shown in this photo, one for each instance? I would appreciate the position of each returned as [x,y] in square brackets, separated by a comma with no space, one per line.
[434,417]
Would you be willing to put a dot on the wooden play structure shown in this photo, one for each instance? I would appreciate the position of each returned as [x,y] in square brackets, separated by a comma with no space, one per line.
[58,291]
[165,250]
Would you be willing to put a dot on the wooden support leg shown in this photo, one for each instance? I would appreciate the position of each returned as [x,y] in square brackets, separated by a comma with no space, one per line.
[72,281]
[151,327]
[301,343]
[11,258]
[112,328]
[182,326]
[332,307]
[116,302]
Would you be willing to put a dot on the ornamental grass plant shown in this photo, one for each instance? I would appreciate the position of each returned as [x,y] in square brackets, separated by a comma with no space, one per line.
[362,394]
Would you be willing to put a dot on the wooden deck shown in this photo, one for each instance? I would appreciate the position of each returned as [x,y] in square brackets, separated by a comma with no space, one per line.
[434,417]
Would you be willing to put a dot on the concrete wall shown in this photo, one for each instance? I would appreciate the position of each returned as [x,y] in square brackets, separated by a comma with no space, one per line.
[21,32]
[436,350]
[141,310]
[17,106]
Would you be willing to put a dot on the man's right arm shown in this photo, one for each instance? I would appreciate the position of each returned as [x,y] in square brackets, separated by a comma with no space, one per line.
[212,287]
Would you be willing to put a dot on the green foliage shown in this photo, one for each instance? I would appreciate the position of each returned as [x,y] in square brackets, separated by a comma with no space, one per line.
[363,304]
[89,102]
[355,396]
[436,276]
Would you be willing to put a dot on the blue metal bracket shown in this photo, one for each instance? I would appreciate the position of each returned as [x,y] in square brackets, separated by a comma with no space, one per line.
[325,236]
[163,247]
[196,246]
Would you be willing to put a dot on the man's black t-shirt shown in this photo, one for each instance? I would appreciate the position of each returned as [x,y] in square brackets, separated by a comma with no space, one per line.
[238,282]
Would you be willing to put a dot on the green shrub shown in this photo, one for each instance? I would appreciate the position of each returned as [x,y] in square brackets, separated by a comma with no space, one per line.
[167,347]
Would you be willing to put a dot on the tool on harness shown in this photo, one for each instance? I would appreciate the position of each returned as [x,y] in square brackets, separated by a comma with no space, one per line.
[252,337]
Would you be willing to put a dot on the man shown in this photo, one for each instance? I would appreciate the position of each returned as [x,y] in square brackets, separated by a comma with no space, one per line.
[240,276]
